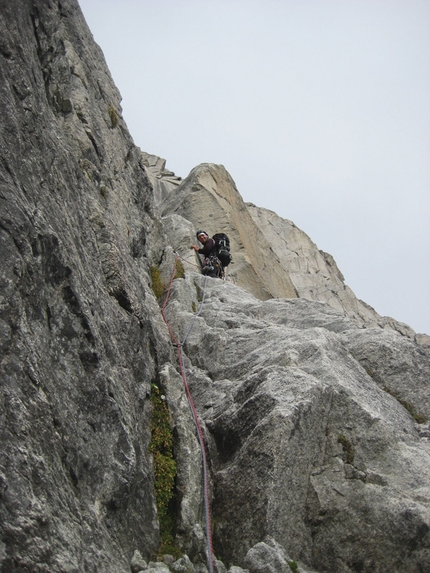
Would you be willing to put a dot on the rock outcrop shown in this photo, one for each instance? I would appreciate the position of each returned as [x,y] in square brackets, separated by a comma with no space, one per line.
[315,274]
[273,257]
[209,199]
[310,430]
[80,335]
[314,409]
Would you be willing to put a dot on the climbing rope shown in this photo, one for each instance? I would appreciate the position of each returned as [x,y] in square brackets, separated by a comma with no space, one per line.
[187,261]
[195,417]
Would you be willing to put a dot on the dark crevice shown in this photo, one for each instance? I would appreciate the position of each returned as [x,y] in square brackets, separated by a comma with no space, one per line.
[93,141]
[72,302]
[123,300]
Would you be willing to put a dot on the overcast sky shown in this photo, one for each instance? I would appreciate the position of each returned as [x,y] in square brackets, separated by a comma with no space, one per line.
[318,109]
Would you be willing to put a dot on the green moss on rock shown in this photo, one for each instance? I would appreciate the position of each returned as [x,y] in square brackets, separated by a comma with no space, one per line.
[347,448]
[161,448]
[113,116]
[158,286]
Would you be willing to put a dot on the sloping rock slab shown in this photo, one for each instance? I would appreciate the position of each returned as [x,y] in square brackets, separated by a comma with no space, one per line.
[306,446]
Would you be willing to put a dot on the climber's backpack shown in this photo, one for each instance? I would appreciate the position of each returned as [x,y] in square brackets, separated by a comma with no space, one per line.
[222,246]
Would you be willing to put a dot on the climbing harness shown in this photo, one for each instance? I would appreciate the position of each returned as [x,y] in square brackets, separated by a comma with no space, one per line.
[200,438]
[212,267]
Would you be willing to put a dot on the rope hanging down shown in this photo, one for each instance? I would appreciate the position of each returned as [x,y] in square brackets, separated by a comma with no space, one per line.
[193,412]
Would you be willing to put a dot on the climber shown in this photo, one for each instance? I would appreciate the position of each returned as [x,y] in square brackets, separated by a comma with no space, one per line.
[206,241]
[211,264]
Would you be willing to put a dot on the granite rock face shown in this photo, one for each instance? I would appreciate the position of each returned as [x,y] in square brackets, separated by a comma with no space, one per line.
[209,199]
[80,335]
[314,409]
[310,430]
[272,256]
[315,274]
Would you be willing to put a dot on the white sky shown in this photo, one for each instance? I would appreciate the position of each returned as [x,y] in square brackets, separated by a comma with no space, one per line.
[319,110]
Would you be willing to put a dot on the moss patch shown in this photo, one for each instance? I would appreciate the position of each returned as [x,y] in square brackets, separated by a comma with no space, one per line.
[158,286]
[419,418]
[103,191]
[113,116]
[293,566]
[199,294]
[180,271]
[161,448]
[347,448]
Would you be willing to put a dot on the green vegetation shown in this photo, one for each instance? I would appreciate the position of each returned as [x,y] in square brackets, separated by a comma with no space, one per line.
[161,447]
[293,566]
[180,271]
[199,294]
[113,116]
[347,448]
[158,286]
[419,418]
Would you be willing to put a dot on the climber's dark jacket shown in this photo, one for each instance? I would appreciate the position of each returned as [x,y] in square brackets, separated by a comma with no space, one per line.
[207,248]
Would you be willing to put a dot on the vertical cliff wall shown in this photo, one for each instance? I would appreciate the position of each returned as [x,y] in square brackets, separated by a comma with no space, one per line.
[80,335]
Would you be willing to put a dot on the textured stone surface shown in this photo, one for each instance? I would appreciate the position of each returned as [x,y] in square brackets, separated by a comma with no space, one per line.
[308,443]
[80,335]
[164,182]
[272,257]
[315,274]
[209,199]
[306,405]
[187,453]
[267,557]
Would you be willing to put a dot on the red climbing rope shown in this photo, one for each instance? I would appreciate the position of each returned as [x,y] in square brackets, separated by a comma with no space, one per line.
[192,264]
[195,417]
